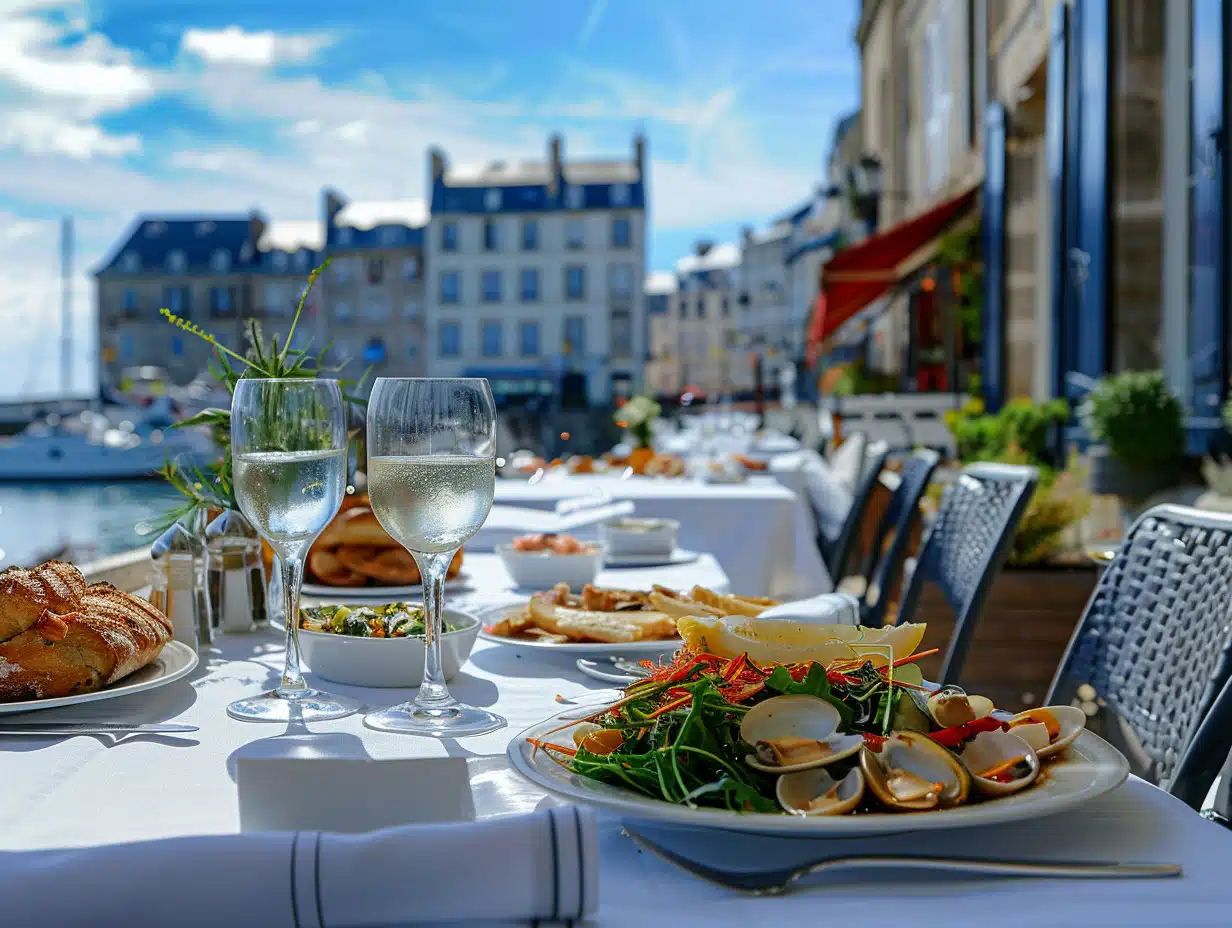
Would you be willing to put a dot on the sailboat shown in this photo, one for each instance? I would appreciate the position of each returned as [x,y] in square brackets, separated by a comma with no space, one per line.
[107,442]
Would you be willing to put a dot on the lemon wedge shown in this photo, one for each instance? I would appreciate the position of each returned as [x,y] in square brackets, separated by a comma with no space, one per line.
[771,641]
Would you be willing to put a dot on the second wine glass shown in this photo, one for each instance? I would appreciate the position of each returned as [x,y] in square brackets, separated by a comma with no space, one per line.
[431,477]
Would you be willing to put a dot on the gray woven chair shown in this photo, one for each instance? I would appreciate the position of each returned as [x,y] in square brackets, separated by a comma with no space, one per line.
[966,546]
[885,564]
[838,513]
[1151,657]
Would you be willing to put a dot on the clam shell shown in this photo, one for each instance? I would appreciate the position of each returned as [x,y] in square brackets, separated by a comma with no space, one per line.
[796,791]
[1072,720]
[920,756]
[796,717]
[990,748]
[980,706]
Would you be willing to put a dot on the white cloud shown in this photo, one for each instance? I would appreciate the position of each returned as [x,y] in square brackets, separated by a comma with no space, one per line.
[39,132]
[259,49]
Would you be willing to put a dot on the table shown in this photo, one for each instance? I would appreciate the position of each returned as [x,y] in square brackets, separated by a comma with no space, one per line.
[759,531]
[82,791]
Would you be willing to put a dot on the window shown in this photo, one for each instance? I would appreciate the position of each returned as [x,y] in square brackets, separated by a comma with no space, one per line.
[177,346]
[374,351]
[390,235]
[725,306]
[278,261]
[530,235]
[622,232]
[412,350]
[530,284]
[376,271]
[176,262]
[303,258]
[684,308]
[342,311]
[491,236]
[449,236]
[273,296]
[450,291]
[451,339]
[622,335]
[410,269]
[620,194]
[492,340]
[341,352]
[575,335]
[344,236]
[936,96]
[575,282]
[575,234]
[222,301]
[574,196]
[176,300]
[701,306]
[492,199]
[378,308]
[341,269]
[620,279]
[220,261]
[528,338]
[491,286]
[128,346]
[129,302]
[411,309]
[130,262]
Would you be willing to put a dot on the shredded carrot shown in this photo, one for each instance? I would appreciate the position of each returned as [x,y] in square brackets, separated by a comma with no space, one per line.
[551,747]
[912,658]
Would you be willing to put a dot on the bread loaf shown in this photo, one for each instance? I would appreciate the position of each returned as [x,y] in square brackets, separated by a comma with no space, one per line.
[81,638]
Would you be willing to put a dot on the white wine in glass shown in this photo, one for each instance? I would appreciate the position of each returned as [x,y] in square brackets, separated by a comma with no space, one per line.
[289,461]
[431,478]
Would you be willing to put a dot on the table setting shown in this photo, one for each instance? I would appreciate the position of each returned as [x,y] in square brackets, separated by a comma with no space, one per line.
[651,717]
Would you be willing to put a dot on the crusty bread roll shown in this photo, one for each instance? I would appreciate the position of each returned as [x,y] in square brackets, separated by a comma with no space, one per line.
[26,594]
[356,526]
[81,643]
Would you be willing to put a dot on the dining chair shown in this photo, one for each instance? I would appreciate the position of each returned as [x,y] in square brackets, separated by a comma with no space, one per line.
[885,563]
[966,545]
[1151,659]
[839,513]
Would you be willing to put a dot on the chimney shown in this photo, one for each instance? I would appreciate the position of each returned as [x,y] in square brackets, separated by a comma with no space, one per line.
[703,246]
[556,161]
[639,153]
[437,163]
[746,233]
[256,228]
[332,204]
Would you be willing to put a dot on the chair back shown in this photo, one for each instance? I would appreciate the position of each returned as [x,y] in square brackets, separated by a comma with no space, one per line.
[841,514]
[885,564]
[1149,660]
[966,546]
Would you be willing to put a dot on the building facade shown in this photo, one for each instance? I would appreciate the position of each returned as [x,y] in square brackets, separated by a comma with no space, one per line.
[536,273]
[662,377]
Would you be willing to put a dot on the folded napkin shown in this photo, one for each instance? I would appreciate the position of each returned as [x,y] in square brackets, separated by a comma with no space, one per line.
[505,523]
[577,503]
[516,869]
[826,609]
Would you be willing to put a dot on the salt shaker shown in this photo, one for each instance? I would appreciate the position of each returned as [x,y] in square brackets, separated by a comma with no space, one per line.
[176,589]
[236,573]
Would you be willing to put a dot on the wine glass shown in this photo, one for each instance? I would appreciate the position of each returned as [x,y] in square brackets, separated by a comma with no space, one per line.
[431,476]
[289,457]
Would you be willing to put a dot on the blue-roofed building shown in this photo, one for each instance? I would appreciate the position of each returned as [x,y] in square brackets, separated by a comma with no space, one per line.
[537,267]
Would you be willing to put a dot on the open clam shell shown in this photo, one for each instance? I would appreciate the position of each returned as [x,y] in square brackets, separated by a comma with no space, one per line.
[791,733]
[816,792]
[1000,763]
[951,706]
[912,773]
[1050,729]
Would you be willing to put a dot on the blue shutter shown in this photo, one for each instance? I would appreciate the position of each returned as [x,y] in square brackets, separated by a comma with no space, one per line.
[1057,151]
[993,244]
[1208,365]
[1088,125]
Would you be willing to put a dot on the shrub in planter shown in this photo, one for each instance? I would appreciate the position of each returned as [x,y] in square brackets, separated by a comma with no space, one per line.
[1140,425]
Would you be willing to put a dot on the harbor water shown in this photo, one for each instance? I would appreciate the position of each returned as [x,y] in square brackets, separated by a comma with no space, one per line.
[95,519]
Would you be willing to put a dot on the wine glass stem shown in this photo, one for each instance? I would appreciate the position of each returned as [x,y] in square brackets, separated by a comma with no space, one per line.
[433,693]
[293,684]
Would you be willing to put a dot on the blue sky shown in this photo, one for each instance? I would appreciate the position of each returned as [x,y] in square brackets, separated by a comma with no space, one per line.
[109,109]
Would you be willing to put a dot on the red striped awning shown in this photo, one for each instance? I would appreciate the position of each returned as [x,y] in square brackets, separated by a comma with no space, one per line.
[856,276]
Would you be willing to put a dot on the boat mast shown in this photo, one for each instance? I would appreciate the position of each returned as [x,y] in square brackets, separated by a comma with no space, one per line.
[66,305]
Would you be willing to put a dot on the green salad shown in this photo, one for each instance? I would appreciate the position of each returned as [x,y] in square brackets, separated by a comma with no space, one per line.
[391,620]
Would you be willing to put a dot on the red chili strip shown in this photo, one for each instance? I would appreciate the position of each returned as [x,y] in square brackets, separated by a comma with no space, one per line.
[953,737]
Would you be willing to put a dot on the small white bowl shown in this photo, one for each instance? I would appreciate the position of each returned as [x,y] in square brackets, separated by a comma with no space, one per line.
[632,536]
[386,661]
[542,570]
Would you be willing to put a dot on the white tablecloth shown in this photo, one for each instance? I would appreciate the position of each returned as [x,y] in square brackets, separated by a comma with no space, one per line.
[759,531]
[86,790]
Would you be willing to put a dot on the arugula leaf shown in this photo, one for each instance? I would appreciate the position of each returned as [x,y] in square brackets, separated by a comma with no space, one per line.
[813,684]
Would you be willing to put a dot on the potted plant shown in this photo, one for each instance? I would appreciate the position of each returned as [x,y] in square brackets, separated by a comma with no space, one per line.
[638,416]
[1139,425]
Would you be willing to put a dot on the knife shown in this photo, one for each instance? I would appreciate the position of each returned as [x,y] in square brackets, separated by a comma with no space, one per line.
[92,728]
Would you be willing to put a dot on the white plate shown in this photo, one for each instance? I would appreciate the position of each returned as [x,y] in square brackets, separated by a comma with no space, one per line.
[637,649]
[175,661]
[603,670]
[679,556]
[386,594]
[1091,768]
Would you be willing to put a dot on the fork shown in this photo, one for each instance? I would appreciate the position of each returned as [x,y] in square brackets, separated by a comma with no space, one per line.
[778,882]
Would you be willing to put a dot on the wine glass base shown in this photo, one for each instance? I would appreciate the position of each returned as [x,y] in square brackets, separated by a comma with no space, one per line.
[453,720]
[308,706]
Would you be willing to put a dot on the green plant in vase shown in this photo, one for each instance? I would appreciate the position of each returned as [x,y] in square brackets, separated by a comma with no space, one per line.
[211,487]
[1140,426]
[638,416]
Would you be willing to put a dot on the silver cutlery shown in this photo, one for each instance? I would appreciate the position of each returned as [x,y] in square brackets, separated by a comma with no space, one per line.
[93,728]
[777,882]
[621,670]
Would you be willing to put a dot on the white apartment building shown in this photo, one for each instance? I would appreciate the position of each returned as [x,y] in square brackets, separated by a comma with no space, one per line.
[535,275]
[663,363]
[764,319]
